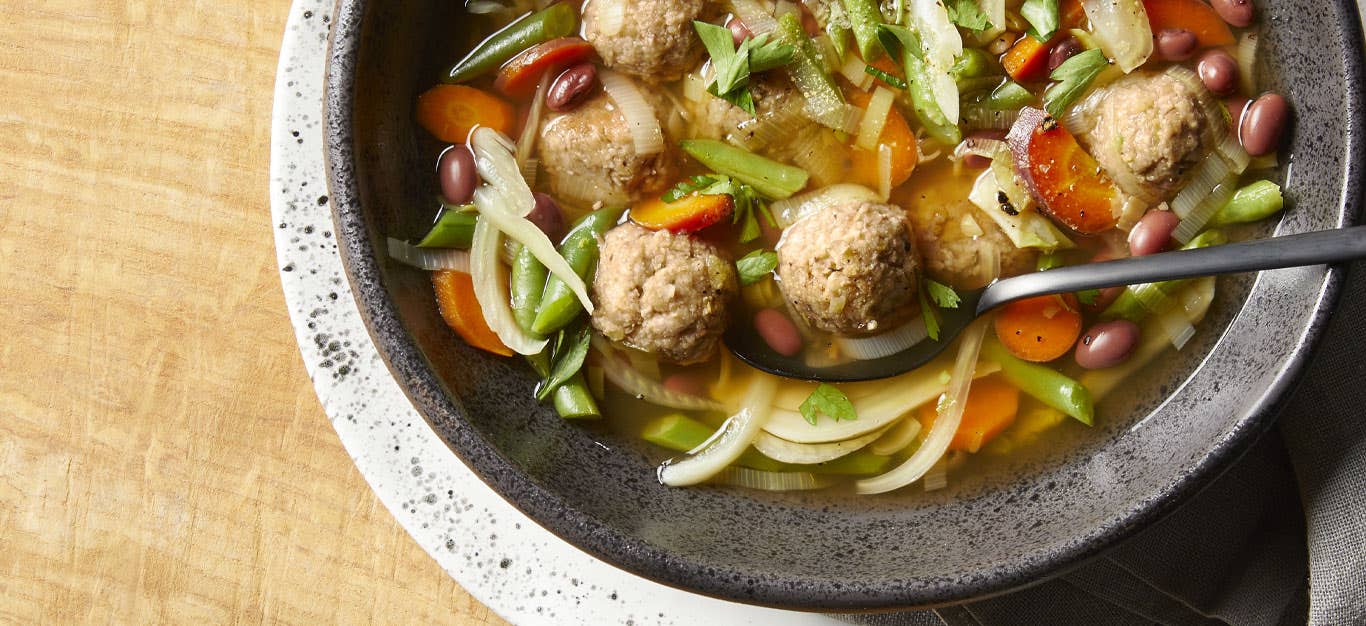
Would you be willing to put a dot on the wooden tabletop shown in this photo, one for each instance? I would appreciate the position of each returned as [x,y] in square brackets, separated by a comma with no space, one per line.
[162,455]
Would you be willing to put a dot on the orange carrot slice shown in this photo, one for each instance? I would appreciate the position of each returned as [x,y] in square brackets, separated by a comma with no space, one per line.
[1039,329]
[455,299]
[448,112]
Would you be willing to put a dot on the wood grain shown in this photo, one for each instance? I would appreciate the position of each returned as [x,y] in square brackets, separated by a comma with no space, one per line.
[162,455]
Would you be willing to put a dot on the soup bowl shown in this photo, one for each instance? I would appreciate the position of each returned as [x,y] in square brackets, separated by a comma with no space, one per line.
[1006,524]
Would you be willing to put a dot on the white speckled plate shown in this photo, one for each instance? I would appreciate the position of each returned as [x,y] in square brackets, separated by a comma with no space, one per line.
[517,568]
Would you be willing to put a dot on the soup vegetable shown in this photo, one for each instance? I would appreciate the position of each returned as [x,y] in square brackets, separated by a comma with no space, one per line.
[621,182]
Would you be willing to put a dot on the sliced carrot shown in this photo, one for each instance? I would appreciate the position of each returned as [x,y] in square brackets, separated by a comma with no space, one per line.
[1073,15]
[1193,15]
[449,112]
[1027,60]
[1066,181]
[991,408]
[519,77]
[897,135]
[1039,329]
[687,214]
[455,299]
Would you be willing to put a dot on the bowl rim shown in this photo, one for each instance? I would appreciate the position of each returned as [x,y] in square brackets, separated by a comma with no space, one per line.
[425,390]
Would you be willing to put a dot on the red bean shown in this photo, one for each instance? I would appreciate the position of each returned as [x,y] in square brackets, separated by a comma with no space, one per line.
[1152,233]
[979,162]
[1219,72]
[1107,297]
[1236,12]
[1063,51]
[738,31]
[458,177]
[1263,124]
[571,87]
[547,216]
[1106,344]
[778,332]
[685,382]
[1176,44]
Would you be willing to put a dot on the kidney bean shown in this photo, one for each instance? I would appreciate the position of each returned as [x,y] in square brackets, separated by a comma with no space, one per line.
[1106,344]
[685,382]
[1152,233]
[1107,297]
[571,87]
[1236,12]
[738,31]
[778,332]
[1219,71]
[455,170]
[1176,44]
[1263,124]
[1064,50]
[1236,106]
[547,216]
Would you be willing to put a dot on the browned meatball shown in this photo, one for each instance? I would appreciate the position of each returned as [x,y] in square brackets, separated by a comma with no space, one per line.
[1151,130]
[589,155]
[960,246]
[652,40]
[850,268]
[661,292]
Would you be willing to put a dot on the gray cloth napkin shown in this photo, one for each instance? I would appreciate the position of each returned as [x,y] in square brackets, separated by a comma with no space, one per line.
[1246,550]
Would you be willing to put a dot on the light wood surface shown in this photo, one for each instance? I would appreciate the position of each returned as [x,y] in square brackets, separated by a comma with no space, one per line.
[162,455]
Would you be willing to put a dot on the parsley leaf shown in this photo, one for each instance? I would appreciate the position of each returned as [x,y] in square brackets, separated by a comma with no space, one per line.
[967,14]
[570,350]
[943,295]
[1074,76]
[689,187]
[927,313]
[749,204]
[895,81]
[756,266]
[1042,16]
[733,66]
[828,400]
[1088,297]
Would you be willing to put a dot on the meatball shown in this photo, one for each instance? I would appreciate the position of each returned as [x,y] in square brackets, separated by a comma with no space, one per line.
[715,118]
[850,268]
[590,157]
[661,292]
[653,40]
[1150,131]
[960,245]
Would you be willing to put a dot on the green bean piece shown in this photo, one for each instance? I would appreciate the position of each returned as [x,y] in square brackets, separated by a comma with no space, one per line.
[527,282]
[1050,260]
[1252,203]
[768,177]
[918,77]
[559,306]
[824,100]
[839,39]
[681,433]
[973,64]
[557,20]
[572,400]
[1009,96]
[1130,306]
[454,228]
[864,18]
[1043,383]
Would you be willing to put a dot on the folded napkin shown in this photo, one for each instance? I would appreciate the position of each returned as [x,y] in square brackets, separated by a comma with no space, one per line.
[1280,538]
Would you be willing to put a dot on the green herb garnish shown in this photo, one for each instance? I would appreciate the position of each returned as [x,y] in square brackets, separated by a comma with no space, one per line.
[895,81]
[571,347]
[733,66]
[943,295]
[749,204]
[1088,297]
[1042,16]
[1074,76]
[927,313]
[755,266]
[967,14]
[829,400]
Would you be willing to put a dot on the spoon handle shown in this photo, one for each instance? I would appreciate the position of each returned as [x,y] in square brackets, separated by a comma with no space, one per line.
[1325,246]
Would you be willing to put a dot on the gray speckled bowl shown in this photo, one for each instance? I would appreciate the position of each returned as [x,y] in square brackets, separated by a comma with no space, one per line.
[1006,526]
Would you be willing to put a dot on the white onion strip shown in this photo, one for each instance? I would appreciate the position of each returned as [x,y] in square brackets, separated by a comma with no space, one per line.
[491,290]
[429,259]
[747,478]
[780,449]
[884,171]
[1122,29]
[1197,218]
[945,424]
[854,70]
[620,373]
[884,344]
[896,438]
[1247,64]
[729,441]
[526,143]
[938,476]
[984,147]
[646,133]
[756,18]
[787,211]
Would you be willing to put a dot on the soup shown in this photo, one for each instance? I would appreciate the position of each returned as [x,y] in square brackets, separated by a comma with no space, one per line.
[621,183]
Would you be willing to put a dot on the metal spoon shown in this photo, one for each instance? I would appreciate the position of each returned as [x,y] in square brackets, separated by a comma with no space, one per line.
[1327,246]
